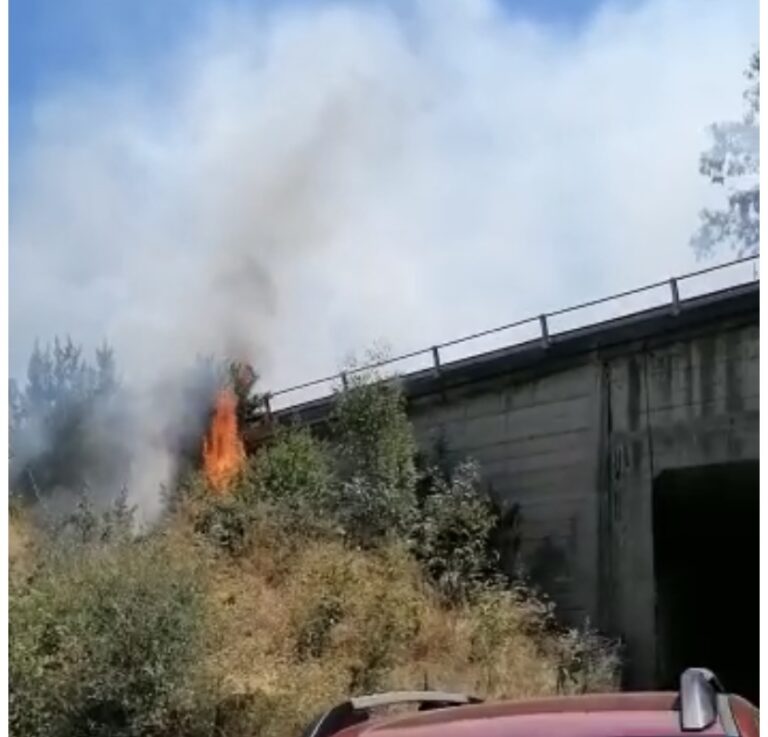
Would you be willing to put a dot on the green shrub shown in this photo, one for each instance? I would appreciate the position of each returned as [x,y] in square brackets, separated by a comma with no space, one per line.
[226,522]
[453,540]
[104,640]
[288,484]
[370,513]
[376,454]
[294,475]
[361,482]
[87,525]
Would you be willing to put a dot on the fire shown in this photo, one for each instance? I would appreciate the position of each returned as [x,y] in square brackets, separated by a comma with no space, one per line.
[223,451]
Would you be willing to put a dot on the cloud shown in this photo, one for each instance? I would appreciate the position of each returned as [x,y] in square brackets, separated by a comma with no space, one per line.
[292,185]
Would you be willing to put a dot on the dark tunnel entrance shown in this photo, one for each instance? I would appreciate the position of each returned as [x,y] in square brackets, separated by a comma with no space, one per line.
[706,558]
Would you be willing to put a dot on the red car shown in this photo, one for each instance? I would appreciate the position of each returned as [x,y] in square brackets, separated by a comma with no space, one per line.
[701,706]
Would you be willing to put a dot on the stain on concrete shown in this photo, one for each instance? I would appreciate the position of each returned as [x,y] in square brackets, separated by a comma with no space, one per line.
[685,378]
[549,564]
[605,556]
[637,456]
[735,443]
[617,506]
[573,534]
[688,378]
[707,358]
[705,440]
[663,379]
[633,392]
[734,401]
[618,461]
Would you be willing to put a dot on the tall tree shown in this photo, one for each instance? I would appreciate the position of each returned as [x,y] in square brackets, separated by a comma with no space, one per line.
[67,423]
[733,162]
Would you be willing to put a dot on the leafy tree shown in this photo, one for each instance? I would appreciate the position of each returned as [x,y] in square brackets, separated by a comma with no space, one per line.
[376,454]
[454,535]
[733,161]
[105,640]
[250,405]
[65,425]
[374,435]
[294,474]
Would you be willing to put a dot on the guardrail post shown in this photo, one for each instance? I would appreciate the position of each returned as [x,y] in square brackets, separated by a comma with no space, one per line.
[676,308]
[436,359]
[268,406]
[675,296]
[544,331]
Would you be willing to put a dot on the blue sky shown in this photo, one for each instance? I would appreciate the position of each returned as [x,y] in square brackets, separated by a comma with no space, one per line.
[338,178]
[55,42]
[306,187]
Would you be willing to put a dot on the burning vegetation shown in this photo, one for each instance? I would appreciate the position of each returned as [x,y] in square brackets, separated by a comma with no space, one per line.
[223,450]
[280,581]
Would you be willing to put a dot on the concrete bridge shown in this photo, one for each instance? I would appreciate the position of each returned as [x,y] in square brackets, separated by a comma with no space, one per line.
[629,449]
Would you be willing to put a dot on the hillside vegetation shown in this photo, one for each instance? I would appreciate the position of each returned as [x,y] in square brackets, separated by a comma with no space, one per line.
[330,567]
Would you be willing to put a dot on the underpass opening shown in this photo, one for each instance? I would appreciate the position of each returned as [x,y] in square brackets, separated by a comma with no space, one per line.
[706,561]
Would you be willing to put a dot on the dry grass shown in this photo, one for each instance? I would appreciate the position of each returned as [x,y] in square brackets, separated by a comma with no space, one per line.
[304,628]
[296,626]
[23,540]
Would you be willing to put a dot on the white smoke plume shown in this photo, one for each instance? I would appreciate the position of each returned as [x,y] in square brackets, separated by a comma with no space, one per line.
[290,185]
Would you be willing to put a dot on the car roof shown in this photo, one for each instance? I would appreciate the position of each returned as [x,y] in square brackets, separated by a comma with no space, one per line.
[614,715]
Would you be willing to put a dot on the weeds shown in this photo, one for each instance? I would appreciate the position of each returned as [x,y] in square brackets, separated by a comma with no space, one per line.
[102,641]
[332,568]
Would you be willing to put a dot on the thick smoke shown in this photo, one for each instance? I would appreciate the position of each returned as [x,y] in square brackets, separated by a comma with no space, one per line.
[288,186]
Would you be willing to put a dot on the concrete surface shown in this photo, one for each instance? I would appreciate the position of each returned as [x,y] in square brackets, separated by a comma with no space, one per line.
[574,434]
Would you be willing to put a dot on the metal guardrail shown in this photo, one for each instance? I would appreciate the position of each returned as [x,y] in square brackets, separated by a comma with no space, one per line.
[545,333]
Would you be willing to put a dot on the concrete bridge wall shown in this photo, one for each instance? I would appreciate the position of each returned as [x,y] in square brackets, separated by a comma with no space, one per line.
[575,433]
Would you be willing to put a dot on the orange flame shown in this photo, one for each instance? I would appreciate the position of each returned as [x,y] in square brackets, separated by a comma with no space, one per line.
[223,451]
